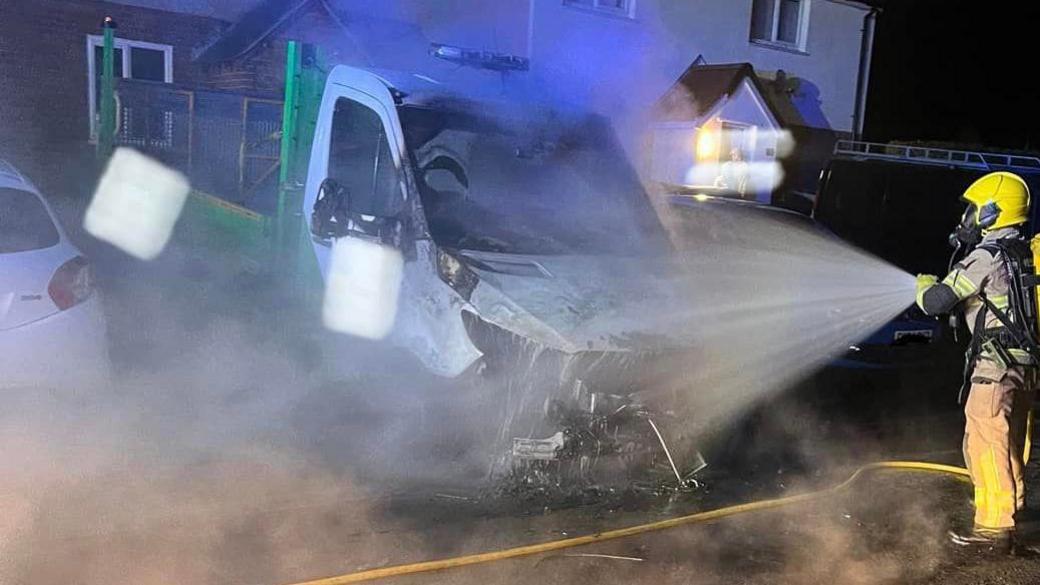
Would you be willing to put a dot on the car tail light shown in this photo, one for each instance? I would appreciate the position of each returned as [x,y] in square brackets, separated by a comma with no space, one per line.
[72,283]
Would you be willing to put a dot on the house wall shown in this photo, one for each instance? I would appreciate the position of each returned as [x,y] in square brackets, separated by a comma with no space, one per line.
[612,63]
[827,70]
[492,26]
[620,65]
[43,64]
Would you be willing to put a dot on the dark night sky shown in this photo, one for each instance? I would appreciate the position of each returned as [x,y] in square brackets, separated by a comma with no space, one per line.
[950,70]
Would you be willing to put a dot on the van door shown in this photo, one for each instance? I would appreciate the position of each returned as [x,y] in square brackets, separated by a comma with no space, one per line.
[355,200]
[358,151]
[358,148]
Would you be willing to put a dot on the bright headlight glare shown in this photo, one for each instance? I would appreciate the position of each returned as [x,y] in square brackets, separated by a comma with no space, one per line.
[707,144]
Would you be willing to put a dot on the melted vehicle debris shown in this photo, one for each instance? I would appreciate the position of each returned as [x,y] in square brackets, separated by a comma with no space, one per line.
[606,450]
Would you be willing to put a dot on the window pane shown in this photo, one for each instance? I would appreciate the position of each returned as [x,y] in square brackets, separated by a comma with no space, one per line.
[360,160]
[24,223]
[762,20]
[790,17]
[612,6]
[99,60]
[147,64]
[98,69]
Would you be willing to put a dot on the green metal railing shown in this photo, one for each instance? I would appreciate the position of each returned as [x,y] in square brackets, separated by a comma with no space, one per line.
[214,225]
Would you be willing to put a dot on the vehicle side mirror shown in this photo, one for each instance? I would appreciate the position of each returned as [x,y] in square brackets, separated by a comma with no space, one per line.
[330,216]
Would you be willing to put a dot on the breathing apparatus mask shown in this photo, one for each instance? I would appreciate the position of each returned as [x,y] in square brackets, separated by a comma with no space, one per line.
[973,225]
[966,236]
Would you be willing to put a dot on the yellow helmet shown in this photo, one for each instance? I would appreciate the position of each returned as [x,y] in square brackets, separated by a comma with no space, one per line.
[998,200]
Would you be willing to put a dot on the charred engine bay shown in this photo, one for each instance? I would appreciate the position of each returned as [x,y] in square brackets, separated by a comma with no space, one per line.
[594,426]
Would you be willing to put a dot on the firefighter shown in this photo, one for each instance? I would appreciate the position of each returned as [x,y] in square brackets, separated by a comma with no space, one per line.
[1001,366]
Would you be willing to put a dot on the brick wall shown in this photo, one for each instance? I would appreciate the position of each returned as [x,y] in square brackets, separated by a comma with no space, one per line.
[259,72]
[43,67]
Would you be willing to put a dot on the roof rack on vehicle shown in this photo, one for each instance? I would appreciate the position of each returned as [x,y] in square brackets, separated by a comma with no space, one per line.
[937,156]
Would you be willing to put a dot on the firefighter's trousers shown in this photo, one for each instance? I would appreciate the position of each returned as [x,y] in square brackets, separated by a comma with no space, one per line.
[996,441]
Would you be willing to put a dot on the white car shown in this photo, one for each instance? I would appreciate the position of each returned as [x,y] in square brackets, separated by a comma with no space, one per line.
[52,327]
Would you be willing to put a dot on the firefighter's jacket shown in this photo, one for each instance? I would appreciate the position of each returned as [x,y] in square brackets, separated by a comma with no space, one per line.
[981,271]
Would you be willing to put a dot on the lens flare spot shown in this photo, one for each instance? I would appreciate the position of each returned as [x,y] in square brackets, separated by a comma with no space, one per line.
[136,204]
[362,289]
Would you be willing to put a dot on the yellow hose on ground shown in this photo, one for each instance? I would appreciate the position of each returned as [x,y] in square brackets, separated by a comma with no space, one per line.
[533,549]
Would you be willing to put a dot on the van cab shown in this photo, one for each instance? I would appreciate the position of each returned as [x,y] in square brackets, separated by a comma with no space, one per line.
[512,218]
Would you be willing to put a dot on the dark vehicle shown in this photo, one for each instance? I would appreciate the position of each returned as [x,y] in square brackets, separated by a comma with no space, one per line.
[897,343]
[900,203]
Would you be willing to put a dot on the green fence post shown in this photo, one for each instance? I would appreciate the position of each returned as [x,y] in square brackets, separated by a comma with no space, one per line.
[313,73]
[283,213]
[305,75]
[312,86]
[107,107]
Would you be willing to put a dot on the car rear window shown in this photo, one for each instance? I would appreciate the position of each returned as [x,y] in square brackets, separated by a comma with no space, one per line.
[24,223]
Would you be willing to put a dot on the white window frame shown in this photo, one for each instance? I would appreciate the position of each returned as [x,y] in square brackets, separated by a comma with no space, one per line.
[125,45]
[602,7]
[802,38]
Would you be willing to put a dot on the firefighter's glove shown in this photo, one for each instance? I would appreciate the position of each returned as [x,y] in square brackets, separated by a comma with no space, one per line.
[924,282]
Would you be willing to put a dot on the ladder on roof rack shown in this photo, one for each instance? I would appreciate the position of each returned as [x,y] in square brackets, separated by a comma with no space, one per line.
[937,156]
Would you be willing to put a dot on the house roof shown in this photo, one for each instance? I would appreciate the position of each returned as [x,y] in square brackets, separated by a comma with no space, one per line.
[371,35]
[250,30]
[701,87]
[227,10]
